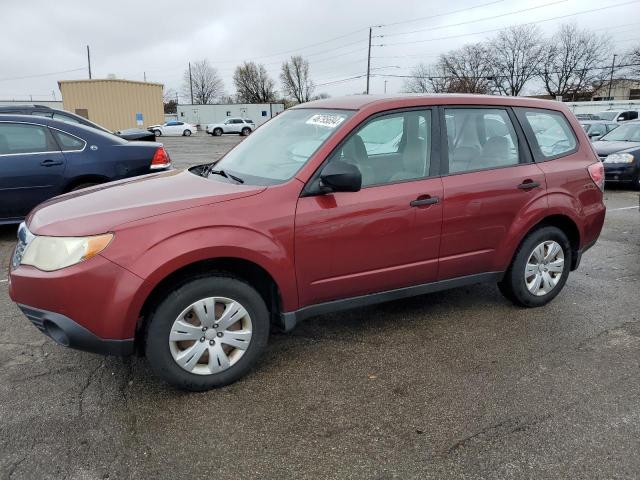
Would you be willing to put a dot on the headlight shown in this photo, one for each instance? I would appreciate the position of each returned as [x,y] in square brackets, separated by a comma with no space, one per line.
[54,253]
[619,158]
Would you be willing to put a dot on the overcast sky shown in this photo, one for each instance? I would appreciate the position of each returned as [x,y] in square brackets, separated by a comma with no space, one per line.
[45,41]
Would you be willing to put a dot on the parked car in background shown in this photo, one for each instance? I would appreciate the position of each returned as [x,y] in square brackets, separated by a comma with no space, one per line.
[618,115]
[62,115]
[597,128]
[173,128]
[620,154]
[587,116]
[41,157]
[231,125]
[302,218]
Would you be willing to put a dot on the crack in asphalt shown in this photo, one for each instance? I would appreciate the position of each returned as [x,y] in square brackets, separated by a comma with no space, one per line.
[86,386]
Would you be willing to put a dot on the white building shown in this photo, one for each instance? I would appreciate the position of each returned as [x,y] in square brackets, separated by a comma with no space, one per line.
[204,114]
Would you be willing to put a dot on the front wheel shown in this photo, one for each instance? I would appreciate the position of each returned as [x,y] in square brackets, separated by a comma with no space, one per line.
[539,269]
[157,133]
[217,132]
[245,131]
[208,333]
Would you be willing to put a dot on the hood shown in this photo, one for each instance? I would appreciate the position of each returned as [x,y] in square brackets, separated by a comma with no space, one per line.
[101,208]
[607,148]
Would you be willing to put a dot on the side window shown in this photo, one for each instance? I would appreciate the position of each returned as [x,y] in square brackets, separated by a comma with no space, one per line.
[64,118]
[68,142]
[597,130]
[552,132]
[611,127]
[390,148]
[25,138]
[633,115]
[480,138]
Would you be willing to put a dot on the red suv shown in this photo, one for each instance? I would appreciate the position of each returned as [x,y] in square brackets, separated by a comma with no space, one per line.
[331,205]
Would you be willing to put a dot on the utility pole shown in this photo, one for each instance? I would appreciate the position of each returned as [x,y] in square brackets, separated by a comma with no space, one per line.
[145,76]
[89,61]
[190,83]
[611,76]
[385,86]
[369,60]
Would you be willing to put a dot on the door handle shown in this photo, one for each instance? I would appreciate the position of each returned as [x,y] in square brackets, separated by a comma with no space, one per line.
[422,201]
[50,163]
[528,185]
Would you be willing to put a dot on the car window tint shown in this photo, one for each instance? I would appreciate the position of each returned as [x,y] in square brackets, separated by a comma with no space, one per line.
[552,132]
[64,118]
[480,138]
[391,148]
[24,138]
[68,142]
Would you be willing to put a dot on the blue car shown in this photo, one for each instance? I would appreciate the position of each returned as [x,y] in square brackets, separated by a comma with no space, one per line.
[42,157]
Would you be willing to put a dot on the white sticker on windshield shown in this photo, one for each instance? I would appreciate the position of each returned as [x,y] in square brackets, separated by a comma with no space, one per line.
[326,120]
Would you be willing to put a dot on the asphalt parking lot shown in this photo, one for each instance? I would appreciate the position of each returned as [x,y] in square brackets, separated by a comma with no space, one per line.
[459,384]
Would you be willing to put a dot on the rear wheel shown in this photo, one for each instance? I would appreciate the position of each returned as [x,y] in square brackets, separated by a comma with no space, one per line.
[208,333]
[187,133]
[81,186]
[217,132]
[539,269]
[157,133]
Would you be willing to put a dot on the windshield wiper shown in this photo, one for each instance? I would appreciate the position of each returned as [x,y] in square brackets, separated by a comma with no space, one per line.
[211,171]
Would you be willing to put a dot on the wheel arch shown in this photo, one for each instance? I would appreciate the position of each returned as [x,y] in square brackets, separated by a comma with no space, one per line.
[89,178]
[252,273]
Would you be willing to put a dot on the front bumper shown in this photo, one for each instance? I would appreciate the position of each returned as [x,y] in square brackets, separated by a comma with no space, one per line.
[620,172]
[68,333]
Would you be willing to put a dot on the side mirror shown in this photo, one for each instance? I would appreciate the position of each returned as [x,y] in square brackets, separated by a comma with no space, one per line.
[339,176]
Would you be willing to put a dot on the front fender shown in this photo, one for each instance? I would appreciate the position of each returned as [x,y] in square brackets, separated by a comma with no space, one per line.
[170,254]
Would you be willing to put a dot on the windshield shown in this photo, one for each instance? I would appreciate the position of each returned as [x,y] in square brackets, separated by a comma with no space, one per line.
[629,132]
[278,149]
[610,115]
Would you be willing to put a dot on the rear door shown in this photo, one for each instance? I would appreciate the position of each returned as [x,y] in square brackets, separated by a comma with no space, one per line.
[31,168]
[386,235]
[490,179]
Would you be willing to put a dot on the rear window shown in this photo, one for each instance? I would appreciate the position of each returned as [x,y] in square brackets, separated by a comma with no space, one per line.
[552,133]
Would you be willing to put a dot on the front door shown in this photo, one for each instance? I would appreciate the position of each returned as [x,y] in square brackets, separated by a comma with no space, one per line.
[31,168]
[384,236]
[490,180]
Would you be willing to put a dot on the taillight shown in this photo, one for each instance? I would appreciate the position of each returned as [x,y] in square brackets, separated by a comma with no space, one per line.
[596,171]
[160,159]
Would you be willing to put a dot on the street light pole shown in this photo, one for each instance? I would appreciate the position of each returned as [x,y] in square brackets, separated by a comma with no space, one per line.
[611,76]
[190,83]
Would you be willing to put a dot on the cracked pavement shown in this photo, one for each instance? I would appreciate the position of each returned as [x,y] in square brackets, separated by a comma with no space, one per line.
[458,384]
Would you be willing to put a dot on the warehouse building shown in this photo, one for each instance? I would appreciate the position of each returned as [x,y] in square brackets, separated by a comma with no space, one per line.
[114,103]
[204,114]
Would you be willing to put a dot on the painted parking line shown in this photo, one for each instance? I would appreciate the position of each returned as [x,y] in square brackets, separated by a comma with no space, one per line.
[622,208]
[4,281]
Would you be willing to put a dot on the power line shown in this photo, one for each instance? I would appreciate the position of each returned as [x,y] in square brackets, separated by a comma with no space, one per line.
[476,20]
[502,28]
[440,14]
[42,74]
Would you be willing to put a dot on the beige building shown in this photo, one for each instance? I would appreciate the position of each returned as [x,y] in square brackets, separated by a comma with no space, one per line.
[113,103]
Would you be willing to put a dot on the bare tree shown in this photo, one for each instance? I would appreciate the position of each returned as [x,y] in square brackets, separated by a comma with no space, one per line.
[465,70]
[207,84]
[514,55]
[428,78]
[574,62]
[632,58]
[253,83]
[295,79]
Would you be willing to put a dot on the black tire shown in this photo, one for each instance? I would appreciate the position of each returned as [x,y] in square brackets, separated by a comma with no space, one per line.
[157,133]
[186,133]
[162,318]
[217,132]
[81,186]
[245,131]
[513,285]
